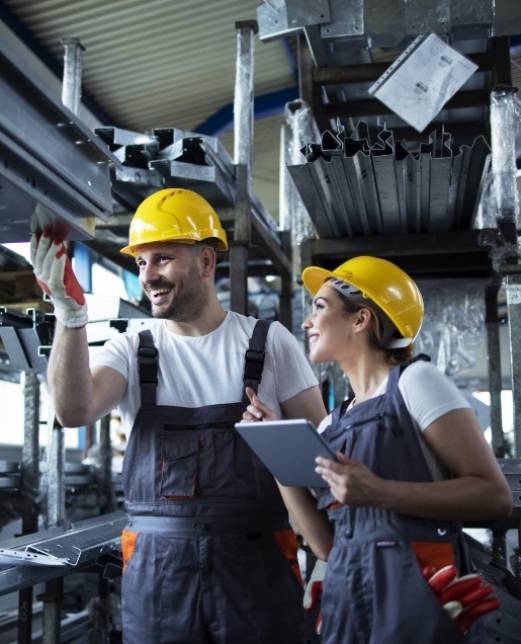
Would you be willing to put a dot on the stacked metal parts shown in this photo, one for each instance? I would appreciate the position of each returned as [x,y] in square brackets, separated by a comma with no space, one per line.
[170,157]
[53,172]
[360,183]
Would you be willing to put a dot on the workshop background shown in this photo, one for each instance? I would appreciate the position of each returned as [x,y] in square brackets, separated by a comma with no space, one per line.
[271,111]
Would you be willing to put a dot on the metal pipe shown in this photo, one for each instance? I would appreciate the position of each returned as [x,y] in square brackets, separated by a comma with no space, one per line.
[303,130]
[55,474]
[71,87]
[243,156]
[243,94]
[503,126]
[494,369]
[513,289]
[285,182]
[29,489]
[105,457]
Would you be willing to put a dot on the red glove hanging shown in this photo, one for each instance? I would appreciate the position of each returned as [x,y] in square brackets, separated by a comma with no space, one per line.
[464,598]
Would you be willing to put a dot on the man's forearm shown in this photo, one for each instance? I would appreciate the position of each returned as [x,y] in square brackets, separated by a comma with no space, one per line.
[69,376]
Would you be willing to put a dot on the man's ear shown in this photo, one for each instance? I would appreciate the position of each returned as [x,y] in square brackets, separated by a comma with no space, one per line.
[207,261]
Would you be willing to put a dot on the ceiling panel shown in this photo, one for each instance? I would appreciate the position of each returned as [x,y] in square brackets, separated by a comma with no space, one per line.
[155,63]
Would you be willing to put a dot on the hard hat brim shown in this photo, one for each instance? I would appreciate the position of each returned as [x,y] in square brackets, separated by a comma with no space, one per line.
[132,249]
[313,278]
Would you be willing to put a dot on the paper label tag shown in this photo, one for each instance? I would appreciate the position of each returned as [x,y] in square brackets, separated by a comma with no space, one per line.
[420,81]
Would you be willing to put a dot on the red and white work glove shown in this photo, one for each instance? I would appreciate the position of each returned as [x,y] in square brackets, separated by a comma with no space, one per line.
[464,598]
[313,593]
[54,274]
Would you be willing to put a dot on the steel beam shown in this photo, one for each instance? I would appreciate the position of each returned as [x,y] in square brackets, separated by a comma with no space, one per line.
[513,289]
[494,368]
[49,158]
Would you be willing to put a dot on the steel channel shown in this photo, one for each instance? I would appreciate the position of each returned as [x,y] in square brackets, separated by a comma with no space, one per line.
[54,136]
[441,169]
[513,289]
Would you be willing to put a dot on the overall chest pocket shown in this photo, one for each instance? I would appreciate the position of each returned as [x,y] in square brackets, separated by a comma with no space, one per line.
[185,464]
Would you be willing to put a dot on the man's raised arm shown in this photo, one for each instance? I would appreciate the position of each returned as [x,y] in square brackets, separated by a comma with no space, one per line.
[80,397]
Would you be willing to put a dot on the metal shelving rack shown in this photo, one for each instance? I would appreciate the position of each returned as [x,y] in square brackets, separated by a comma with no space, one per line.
[334,75]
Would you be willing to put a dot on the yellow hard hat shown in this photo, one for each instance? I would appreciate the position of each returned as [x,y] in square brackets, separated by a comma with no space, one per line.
[380,281]
[174,215]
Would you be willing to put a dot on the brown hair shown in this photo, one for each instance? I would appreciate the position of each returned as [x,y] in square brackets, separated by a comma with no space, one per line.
[395,356]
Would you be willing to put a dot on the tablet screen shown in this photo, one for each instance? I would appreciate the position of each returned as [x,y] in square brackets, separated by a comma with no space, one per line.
[288,449]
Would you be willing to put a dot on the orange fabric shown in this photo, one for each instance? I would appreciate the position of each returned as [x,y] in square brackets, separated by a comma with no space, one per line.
[430,553]
[128,545]
[288,545]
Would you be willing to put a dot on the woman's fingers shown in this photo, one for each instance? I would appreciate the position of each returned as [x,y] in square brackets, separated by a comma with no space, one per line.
[254,411]
[250,393]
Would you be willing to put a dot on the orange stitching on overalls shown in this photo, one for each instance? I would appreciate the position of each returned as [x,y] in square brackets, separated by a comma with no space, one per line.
[128,545]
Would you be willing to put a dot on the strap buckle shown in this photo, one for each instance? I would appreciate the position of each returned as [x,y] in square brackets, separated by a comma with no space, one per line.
[254,364]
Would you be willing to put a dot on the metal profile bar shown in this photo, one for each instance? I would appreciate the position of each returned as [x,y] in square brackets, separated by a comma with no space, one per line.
[462,242]
[71,86]
[116,137]
[341,196]
[385,169]
[513,289]
[83,544]
[50,133]
[202,178]
[402,185]
[425,183]
[316,202]
[354,176]
[334,75]
[27,186]
[439,194]
[370,107]
[494,368]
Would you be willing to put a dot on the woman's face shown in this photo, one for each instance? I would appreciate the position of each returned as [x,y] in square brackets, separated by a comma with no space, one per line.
[327,328]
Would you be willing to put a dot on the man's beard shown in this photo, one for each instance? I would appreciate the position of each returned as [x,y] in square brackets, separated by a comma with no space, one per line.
[187,303]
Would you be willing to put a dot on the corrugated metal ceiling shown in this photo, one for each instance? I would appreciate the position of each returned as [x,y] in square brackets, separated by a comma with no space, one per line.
[155,63]
[167,63]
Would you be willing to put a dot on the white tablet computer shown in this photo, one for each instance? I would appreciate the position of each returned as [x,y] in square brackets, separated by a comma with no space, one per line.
[288,449]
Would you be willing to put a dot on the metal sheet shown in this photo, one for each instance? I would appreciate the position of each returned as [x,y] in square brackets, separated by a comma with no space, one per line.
[347,19]
[472,12]
[281,18]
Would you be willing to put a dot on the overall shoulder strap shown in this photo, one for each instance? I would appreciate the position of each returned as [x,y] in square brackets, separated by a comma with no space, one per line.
[254,359]
[147,362]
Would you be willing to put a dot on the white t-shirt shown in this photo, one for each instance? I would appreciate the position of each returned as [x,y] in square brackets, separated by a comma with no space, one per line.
[428,394]
[206,370]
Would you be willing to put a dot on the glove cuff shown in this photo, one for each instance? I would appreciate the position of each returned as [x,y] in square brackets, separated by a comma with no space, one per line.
[72,318]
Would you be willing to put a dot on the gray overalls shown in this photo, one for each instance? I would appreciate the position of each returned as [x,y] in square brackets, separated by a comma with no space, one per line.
[206,566]
[374,592]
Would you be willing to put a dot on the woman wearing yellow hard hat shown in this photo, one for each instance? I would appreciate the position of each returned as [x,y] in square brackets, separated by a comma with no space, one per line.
[411,464]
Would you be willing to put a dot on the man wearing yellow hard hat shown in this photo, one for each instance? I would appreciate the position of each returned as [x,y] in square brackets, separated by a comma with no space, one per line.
[206,524]
[411,464]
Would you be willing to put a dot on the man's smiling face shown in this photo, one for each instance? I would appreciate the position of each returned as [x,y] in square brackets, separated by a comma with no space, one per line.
[170,277]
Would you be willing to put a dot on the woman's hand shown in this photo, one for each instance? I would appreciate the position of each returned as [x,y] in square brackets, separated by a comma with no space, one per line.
[257,410]
[351,482]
